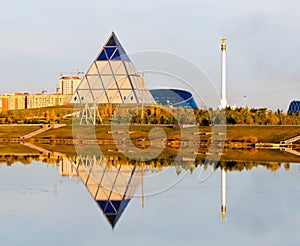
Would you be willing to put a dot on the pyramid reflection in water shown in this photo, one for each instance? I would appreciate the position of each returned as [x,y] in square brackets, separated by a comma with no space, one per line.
[111,186]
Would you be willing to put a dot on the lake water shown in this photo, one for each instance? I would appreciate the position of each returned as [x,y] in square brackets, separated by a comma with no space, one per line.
[39,206]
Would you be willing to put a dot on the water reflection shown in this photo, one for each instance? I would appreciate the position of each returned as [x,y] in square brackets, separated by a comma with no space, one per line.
[223,196]
[114,180]
[111,184]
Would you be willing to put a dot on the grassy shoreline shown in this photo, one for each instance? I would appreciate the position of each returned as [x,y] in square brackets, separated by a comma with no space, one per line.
[265,134]
[237,140]
[228,155]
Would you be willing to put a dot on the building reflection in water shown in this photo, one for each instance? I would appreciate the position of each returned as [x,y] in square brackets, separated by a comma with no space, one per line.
[113,181]
[67,168]
[111,184]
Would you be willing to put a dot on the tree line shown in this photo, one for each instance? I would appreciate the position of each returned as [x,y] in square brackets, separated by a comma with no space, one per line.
[205,117]
[156,165]
[156,114]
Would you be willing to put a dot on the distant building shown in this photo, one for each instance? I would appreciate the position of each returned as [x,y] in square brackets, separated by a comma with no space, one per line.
[174,98]
[14,101]
[68,84]
[28,101]
[294,107]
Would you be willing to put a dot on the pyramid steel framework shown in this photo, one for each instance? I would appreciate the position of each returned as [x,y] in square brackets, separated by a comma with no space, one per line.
[112,78]
[112,187]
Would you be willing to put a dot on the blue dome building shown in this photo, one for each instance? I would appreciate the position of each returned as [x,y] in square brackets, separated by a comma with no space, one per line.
[294,107]
[174,98]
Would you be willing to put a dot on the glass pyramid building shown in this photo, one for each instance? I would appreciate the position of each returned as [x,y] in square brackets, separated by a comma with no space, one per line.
[112,78]
[111,186]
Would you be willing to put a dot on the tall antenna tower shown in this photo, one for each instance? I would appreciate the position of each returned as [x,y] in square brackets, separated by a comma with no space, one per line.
[223,89]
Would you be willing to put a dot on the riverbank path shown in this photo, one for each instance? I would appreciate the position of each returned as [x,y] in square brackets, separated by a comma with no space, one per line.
[42,129]
[290,140]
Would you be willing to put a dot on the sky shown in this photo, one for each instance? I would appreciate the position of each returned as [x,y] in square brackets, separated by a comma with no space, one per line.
[42,39]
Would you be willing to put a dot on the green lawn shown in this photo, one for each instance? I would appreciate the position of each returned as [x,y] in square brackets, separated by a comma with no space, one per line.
[16,149]
[7,131]
[259,155]
[270,134]
[267,134]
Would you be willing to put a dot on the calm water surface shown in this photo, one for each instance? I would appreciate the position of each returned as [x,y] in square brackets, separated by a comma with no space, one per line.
[41,207]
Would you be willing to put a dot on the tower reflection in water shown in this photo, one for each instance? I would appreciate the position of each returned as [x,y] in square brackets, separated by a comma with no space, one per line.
[223,194]
[111,184]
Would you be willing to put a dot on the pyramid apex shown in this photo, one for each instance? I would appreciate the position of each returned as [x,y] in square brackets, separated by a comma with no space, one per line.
[111,78]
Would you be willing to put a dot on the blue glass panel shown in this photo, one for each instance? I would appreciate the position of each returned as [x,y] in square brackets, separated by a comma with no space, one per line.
[116,204]
[111,41]
[110,209]
[102,56]
[123,206]
[116,56]
[123,54]
[121,210]
[102,204]
[109,52]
